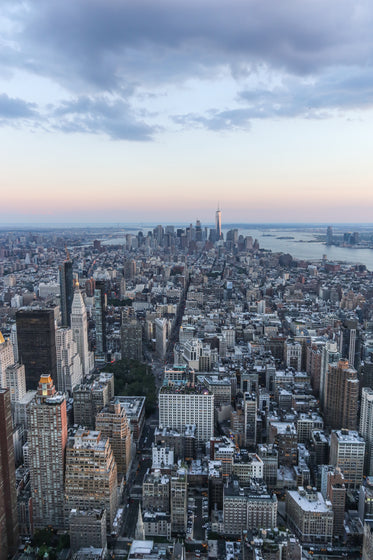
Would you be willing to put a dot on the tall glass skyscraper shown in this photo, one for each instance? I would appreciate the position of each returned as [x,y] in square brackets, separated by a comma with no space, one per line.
[36,336]
[218,223]
[67,291]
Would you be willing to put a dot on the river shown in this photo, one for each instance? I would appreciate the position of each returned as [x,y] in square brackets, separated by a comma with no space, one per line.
[304,245]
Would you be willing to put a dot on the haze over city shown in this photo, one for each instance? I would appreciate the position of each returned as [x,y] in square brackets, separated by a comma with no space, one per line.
[156,111]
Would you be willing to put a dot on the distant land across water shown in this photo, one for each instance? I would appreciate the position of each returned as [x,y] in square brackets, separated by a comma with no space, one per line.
[302,241]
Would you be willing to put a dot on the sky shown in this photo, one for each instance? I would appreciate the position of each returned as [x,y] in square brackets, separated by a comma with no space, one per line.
[161,110]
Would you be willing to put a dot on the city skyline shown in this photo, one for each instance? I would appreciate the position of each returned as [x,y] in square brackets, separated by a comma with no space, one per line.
[142,111]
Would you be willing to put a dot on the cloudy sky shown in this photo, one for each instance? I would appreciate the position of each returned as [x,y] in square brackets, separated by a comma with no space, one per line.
[158,110]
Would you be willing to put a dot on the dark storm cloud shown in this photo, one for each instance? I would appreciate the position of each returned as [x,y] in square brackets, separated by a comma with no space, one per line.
[12,109]
[110,42]
[96,48]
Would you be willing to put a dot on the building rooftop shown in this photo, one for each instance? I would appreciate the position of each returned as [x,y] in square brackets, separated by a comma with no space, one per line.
[132,405]
[348,436]
[310,500]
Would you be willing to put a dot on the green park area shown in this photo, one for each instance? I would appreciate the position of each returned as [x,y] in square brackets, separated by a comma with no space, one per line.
[133,378]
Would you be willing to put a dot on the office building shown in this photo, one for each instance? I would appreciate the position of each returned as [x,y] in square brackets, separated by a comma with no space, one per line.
[314,360]
[66,290]
[309,515]
[329,355]
[8,497]
[156,491]
[367,552]
[306,424]
[130,269]
[162,456]
[350,342]
[87,528]
[223,449]
[131,339]
[187,405]
[183,444]
[367,373]
[89,400]
[179,501]
[319,448]
[112,422]
[218,224]
[21,411]
[329,235]
[269,456]
[157,524]
[6,359]
[365,507]
[161,337]
[87,487]
[336,494]
[247,508]
[69,366]
[366,427]
[341,396]
[15,381]
[84,412]
[347,451]
[284,435]
[250,416]
[247,466]
[220,388]
[100,320]
[79,327]
[47,438]
[13,339]
[134,408]
[36,344]
[293,354]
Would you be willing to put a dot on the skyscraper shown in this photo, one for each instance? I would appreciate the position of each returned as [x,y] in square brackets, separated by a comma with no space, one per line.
[329,235]
[329,354]
[218,223]
[179,501]
[179,407]
[47,445]
[36,344]
[113,424]
[69,366]
[8,498]
[347,451]
[16,383]
[250,413]
[6,358]
[91,474]
[131,339]
[350,342]
[161,336]
[100,320]
[366,426]
[336,493]
[341,396]
[67,291]
[79,326]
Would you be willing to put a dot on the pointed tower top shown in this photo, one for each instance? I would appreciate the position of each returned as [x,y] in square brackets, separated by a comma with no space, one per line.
[2,340]
[140,531]
[78,303]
